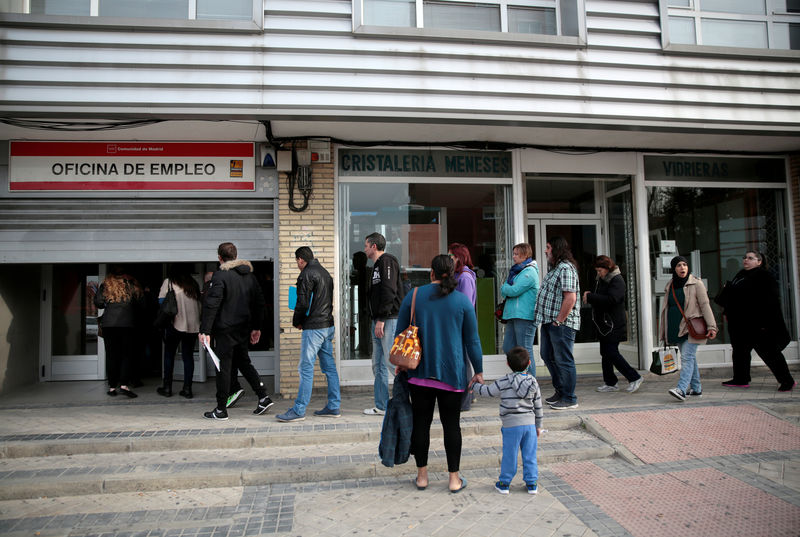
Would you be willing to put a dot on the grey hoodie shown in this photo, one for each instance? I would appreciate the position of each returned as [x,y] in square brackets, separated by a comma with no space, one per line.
[521,399]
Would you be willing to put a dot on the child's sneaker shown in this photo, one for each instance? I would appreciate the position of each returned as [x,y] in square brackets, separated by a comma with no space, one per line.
[501,487]
[533,489]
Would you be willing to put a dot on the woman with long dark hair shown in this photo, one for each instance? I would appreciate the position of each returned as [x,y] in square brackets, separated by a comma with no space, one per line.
[447,329]
[184,327]
[685,298]
[755,321]
[608,315]
[122,299]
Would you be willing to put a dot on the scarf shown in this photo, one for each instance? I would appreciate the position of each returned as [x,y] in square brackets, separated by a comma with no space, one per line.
[516,269]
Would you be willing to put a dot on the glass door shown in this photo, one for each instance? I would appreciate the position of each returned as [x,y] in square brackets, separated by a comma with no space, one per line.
[583,236]
[72,352]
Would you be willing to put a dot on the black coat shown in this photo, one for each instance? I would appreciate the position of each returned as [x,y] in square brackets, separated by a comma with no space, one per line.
[127,314]
[752,305]
[314,286]
[608,308]
[234,300]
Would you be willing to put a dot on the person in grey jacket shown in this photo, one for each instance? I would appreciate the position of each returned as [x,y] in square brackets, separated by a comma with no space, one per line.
[521,414]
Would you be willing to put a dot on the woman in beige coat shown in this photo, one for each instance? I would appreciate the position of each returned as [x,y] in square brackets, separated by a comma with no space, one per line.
[692,297]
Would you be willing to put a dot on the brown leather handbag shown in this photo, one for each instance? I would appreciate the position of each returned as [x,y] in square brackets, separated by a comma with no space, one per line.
[697,326]
[406,351]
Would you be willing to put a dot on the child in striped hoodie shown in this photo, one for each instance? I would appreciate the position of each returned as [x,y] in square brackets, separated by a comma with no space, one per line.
[521,414]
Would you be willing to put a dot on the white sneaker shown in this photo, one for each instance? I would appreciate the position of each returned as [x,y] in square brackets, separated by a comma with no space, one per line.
[374,411]
[607,388]
[633,386]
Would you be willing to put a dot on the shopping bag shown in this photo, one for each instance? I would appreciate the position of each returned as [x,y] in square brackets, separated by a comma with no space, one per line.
[666,360]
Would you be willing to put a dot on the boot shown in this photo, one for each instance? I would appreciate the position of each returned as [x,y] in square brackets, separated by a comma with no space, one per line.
[166,389]
[187,392]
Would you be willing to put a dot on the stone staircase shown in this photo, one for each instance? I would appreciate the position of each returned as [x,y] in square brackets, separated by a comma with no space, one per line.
[51,465]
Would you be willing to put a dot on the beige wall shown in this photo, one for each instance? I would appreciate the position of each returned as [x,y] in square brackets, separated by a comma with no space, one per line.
[19,326]
[314,228]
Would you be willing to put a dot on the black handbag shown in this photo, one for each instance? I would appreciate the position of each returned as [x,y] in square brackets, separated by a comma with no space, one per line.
[167,310]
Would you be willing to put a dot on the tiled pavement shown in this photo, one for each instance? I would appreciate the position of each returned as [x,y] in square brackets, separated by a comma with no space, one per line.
[730,466]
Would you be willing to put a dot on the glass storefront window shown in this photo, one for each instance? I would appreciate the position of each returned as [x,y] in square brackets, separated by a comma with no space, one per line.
[419,221]
[560,196]
[713,227]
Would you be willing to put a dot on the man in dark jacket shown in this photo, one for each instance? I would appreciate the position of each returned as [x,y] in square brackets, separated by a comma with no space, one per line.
[313,314]
[233,309]
[384,296]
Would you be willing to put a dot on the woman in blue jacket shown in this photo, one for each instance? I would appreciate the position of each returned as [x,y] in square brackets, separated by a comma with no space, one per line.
[447,328]
[520,291]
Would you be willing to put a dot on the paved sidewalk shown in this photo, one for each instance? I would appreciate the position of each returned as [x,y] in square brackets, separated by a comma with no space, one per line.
[724,464]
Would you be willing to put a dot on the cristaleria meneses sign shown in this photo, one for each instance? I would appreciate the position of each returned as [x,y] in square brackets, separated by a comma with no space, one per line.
[124,166]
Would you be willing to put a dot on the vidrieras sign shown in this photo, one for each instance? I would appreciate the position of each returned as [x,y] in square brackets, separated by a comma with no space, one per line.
[122,166]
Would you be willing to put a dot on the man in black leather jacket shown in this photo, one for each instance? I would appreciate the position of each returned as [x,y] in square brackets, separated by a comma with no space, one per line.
[313,314]
[232,313]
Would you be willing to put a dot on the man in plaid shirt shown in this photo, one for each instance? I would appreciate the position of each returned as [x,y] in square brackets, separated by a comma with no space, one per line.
[558,311]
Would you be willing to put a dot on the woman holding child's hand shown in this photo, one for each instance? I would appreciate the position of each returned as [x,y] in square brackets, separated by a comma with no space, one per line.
[447,330]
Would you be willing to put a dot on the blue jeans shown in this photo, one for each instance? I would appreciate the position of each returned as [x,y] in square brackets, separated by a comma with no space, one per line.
[317,342]
[380,362]
[556,348]
[690,374]
[520,332]
[521,437]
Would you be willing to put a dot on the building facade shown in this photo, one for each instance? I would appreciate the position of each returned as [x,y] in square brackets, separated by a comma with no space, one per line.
[145,133]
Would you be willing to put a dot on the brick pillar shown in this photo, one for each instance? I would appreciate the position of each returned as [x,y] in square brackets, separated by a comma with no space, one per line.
[314,228]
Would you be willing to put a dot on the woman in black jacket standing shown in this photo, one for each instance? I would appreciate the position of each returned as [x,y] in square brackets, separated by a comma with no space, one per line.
[122,299]
[608,314]
[755,321]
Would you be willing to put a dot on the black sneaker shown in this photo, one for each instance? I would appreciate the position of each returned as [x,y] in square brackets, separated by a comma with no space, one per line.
[555,398]
[216,414]
[694,393]
[263,405]
[563,405]
[678,394]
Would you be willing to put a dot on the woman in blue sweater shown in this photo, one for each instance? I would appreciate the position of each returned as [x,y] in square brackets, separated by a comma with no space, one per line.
[447,329]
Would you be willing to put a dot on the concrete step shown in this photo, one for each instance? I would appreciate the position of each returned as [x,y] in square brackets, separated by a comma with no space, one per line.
[290,457]
[220,435]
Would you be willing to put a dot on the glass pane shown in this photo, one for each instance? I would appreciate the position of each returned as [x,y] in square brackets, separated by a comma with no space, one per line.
[462,16]
[523,20]
[793,6]
[390,13]
[419,221]
[750,7]
[728,33]
[145,9]
[582,239]
[569,17]
[560,196]
[60,7]
[241,10]
[74,315]
[621,241]
[717,225]
[681,31]
[263,271]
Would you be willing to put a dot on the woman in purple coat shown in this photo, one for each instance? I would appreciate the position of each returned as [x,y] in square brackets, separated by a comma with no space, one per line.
[466,281]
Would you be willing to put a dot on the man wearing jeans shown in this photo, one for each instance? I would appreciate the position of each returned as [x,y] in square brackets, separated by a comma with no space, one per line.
[557,310]
[313,314]
[384,297]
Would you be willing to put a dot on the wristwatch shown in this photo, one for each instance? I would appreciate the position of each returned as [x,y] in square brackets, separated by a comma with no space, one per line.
[556,323]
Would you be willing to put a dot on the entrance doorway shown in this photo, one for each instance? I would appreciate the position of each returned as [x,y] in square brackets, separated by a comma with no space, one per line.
[71,343]
[583,238]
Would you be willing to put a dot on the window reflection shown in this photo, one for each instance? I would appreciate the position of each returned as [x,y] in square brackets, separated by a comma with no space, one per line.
[419,221]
